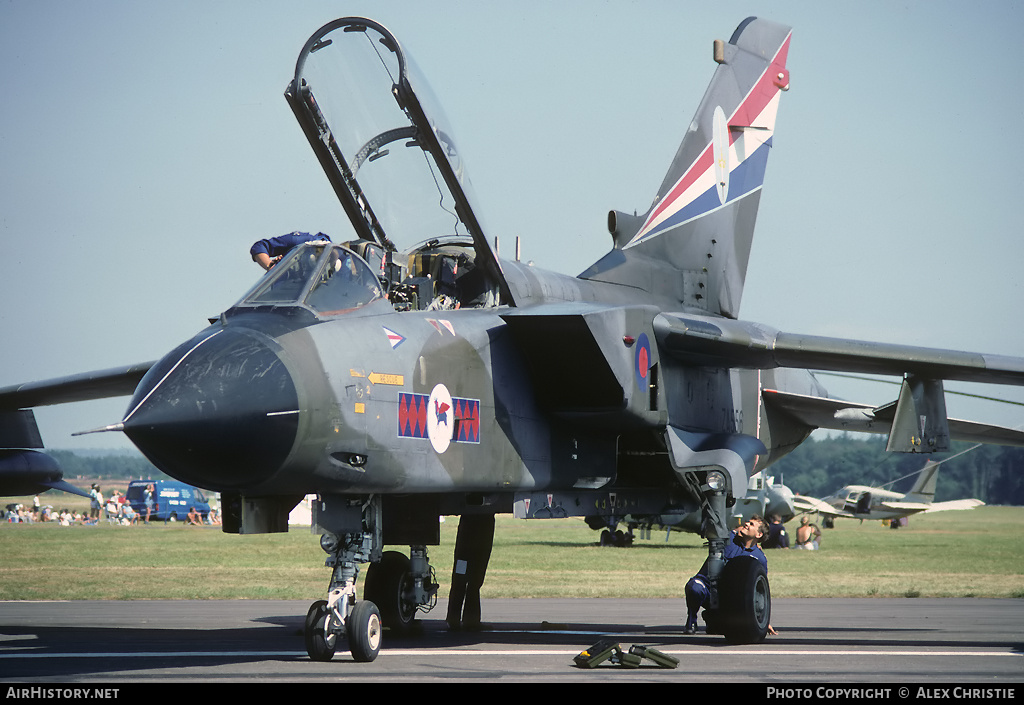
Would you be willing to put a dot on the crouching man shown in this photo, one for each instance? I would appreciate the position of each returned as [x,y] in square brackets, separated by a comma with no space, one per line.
[742,542]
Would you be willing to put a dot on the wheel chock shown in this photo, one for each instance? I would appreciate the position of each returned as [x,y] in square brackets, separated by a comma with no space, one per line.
[597,654]
[609,650]
[648,652]
[627,659]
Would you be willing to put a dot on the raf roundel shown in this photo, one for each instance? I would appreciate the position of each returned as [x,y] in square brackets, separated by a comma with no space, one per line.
[642,361]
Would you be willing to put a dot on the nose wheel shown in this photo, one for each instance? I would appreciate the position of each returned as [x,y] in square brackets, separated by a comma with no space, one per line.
[362,627]
[320,632]
[364,631]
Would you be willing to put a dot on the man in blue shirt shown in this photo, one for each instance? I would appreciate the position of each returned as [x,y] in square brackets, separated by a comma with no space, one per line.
[776,536]
[266,253]
[742,542]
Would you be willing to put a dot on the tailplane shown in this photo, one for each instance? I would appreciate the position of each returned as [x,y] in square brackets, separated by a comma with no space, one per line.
[694,242]
[924,486]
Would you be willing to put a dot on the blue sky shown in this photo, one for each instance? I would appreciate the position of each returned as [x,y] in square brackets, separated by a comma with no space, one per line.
[145,145]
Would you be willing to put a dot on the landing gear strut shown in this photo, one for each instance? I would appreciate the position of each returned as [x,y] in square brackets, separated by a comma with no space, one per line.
[351,535]
[740,603]
[396,586]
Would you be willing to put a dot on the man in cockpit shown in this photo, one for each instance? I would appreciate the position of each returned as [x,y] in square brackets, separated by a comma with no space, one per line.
[266,253]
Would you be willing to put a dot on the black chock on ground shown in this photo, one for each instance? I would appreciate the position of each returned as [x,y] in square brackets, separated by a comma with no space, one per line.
[649,652]
[609,650]
[597,654]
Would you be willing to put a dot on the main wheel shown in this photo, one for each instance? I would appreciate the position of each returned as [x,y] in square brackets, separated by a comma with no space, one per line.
[386,585]
[744,601]
[320,638]
[364,631]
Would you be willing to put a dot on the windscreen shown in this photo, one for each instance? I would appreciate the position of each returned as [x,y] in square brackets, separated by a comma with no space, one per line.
[329,279]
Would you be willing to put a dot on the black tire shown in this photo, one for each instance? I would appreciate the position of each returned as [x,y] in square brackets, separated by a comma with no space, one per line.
[386,583]
[320,641]
[364,631]
[744,602]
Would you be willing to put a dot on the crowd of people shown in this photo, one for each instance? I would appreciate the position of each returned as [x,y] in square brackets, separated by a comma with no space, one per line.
[22,514]
[112,509]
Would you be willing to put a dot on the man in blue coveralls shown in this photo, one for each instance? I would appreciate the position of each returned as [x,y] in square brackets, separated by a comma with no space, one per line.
[742,542]
[266,253]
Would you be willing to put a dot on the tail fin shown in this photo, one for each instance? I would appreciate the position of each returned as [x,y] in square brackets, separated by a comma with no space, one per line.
[694,242]
[924,486]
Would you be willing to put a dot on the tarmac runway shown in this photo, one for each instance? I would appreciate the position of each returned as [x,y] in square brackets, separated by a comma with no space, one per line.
[899,642]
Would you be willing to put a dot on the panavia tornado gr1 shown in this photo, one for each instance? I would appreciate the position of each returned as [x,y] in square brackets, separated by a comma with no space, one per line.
[411,373]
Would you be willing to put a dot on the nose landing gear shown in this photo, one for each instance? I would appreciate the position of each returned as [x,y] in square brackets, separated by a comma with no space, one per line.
[396,586]
[356,539]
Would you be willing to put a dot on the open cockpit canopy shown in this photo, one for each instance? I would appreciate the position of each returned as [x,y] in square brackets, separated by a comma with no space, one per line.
[387,151]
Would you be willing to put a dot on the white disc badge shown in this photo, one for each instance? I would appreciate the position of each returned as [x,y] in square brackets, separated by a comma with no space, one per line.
[440,418]
[720,152]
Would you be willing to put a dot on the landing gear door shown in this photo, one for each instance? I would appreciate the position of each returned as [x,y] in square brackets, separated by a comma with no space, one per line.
[384,142]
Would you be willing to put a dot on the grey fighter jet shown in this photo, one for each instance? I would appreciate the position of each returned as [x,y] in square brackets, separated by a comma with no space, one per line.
[411,373]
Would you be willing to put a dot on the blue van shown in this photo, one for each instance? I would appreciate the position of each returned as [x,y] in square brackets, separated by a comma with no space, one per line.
[172,500]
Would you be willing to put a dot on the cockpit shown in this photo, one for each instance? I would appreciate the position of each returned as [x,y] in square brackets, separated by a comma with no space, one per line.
[329,279]
[334,279]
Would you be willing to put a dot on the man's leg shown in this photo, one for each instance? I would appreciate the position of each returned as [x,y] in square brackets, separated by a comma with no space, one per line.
[697,595]
[473,544]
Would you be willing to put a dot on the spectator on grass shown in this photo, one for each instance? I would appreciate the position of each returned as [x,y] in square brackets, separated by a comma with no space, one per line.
[777,536]
[808,535]
[112,507]
[96,501]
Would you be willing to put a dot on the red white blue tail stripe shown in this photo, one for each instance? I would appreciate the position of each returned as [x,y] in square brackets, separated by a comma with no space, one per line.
[700,190]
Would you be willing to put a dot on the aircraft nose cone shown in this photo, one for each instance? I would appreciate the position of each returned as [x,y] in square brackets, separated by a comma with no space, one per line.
[219,412]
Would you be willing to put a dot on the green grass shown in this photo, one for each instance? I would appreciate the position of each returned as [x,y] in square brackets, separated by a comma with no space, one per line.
[976,553]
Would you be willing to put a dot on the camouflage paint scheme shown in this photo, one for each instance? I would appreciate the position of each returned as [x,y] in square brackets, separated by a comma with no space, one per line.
[412,372]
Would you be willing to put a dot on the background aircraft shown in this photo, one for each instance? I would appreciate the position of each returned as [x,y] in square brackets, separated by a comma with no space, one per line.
[863,502]
[635,379]
[764,497]
[25,471]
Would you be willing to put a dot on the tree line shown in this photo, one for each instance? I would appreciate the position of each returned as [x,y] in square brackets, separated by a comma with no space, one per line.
[101,465]
[822,466]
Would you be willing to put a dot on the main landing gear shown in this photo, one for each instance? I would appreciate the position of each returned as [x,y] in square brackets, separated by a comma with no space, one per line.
[396,586]
[401,586]
[744,603]
[740,604]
